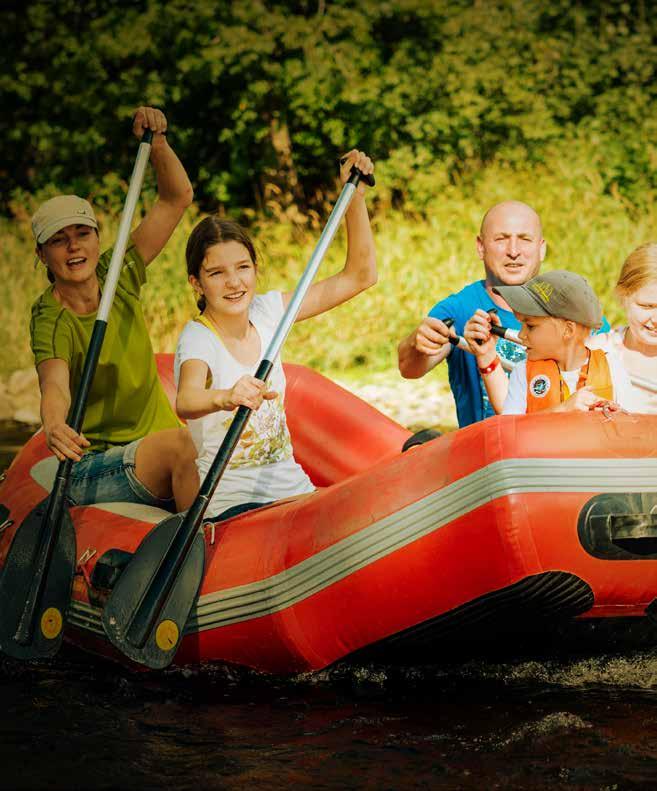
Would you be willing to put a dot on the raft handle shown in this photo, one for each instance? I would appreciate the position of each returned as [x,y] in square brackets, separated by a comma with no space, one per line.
[634,532]
[420,437]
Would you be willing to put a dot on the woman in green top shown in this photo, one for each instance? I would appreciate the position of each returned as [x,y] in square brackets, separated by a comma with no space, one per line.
[132,446]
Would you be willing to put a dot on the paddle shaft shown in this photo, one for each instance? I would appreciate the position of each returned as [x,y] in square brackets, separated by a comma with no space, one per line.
[154,598]
[56,503]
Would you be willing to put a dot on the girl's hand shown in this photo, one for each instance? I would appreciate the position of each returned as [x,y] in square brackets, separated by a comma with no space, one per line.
[149,118]
[478,335]
[64,442]
[609,408]
[361,161]
[249,392]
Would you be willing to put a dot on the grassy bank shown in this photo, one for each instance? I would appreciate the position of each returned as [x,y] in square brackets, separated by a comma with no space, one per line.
[421,259]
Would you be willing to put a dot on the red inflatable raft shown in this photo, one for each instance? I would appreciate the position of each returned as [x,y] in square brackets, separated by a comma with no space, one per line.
[529,519]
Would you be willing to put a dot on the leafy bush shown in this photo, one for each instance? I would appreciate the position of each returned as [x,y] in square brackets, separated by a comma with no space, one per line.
[263,95]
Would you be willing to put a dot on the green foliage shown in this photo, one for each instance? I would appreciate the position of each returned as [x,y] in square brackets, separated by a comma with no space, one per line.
[263,95]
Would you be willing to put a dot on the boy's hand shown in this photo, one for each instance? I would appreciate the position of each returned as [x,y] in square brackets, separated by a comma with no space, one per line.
[431,336]
[477,334]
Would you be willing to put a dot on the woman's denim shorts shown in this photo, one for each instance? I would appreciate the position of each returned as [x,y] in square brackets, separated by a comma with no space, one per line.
[108,476]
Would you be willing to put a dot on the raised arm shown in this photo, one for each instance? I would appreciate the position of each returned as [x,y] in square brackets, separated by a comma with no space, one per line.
[55,404]
[424,348]
[174,190]
[359,271]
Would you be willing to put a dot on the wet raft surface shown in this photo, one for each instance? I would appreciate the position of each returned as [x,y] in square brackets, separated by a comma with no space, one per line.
[565,722]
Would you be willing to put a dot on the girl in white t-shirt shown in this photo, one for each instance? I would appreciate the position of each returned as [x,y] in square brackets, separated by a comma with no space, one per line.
[636,344]
[218,353]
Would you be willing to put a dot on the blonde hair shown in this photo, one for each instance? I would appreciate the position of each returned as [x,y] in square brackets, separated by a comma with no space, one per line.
[640,268]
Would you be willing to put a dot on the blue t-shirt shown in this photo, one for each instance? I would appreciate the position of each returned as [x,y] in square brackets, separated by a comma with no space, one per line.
[469,392]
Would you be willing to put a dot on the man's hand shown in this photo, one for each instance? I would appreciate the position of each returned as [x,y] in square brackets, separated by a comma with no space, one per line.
[424,348]
[431,336]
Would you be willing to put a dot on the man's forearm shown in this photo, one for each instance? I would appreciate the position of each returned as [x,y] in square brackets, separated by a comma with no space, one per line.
[414,364]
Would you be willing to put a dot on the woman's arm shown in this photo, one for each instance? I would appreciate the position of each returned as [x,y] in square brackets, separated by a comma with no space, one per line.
[193,400]
[359,270]
[55,404]
[174,189]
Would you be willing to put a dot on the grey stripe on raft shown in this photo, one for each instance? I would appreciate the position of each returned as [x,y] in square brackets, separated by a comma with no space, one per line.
[409,524]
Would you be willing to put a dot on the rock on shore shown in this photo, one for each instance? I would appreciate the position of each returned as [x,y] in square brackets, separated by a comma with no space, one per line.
[414,403]
[19,397]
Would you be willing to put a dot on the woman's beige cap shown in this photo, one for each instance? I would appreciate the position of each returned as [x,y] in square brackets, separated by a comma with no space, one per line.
[57,213]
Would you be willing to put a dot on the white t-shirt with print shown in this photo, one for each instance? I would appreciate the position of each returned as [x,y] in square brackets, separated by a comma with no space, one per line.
[262,467]
[516,399]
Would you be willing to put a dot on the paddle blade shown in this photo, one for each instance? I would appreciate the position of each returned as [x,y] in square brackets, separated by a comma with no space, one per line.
[44,636]
[128,603]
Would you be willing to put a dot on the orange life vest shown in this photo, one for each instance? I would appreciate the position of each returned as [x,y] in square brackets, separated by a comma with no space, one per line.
[546,387]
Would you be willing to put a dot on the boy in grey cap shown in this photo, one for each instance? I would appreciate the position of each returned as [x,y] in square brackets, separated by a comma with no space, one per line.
[557,311]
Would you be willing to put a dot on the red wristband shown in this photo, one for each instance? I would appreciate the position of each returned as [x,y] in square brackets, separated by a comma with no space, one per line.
[490,368]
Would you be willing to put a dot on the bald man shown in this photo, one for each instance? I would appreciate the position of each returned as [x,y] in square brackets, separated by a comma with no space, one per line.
[511,245]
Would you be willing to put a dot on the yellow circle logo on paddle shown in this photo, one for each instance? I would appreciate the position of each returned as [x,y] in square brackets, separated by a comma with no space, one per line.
[51,623]
[166,635]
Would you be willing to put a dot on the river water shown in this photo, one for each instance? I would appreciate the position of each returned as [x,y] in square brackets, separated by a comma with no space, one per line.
[574,710]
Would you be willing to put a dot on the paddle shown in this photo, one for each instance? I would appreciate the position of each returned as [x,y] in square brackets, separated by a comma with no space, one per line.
[36,581]
[147,610]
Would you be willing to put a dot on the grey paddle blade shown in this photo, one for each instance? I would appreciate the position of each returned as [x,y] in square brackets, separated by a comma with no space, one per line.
[146,630]
[43,636]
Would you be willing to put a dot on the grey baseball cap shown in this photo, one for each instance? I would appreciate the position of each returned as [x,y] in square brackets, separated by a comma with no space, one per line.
[57,213]
[561,294]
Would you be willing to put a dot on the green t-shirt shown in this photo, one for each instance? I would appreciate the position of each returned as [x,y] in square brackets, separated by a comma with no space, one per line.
[126,399]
